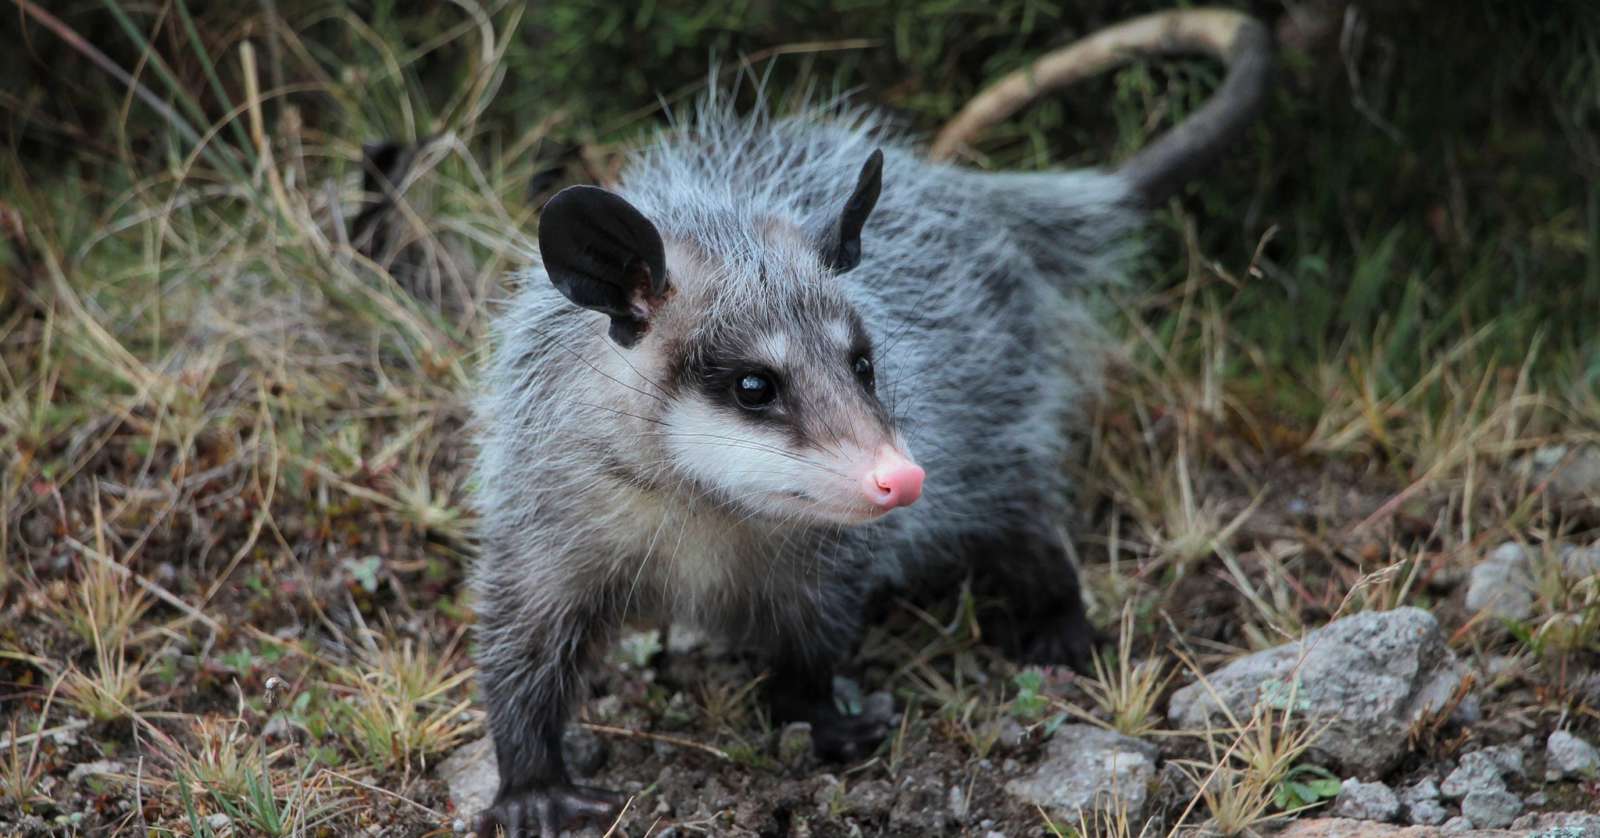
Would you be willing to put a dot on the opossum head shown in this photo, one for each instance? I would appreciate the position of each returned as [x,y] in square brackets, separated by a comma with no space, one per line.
[762,376]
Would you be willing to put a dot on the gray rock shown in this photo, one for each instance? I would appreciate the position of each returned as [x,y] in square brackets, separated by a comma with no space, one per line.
[1426,813]
[1507,758]
[1560,824]
[1566,756]
[473,779]
[1502,583]
[794,743]
[1085,767]
[1491,808]
[1421,803]
[1572,475]
[1012,734]
[471,775]
[958,803]
[90,769]
[1366,801]
[218,821]
[1367,676]
[1477,771]
[1457,824]
[1580,562]
[869,799]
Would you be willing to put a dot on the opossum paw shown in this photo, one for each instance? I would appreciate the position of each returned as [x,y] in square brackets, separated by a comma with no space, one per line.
[546,811]
[1066,639]
[836,737]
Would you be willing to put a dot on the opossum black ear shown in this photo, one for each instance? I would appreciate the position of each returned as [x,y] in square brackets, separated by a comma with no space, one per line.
[841,238]
[606,256]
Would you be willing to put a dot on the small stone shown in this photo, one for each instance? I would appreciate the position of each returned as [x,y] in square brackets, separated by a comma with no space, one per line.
[218,821]
[608,708]
[1491,808]
[1568,756]
[958,803]
[84,770]
[1012,734]
[1560,824]
[1570,475]
[1457,824]
[1580,562]
[869,799]
[471,776]
[459,826]
[1366,801]
[1502,584]
[1087,767]
[1507,758]
[277,727]
[794,743]
[1421,803]
[1476,772]
[879,705]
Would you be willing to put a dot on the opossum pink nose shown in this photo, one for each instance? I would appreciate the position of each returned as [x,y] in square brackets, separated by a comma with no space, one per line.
[894,480]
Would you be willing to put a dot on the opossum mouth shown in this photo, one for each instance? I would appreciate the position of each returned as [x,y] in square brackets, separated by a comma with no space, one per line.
[797,501]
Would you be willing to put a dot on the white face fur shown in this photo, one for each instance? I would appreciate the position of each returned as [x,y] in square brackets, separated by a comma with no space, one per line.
[779,417]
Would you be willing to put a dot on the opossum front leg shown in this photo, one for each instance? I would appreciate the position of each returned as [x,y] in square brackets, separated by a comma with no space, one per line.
[801,690]
[1039,615]
[530,676]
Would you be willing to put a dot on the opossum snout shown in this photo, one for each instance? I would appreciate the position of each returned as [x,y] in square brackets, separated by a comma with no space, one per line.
[893,480]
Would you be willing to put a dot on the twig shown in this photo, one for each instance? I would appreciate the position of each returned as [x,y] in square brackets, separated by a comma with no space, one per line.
[66,727]
[435,813]
[618,822]
[656,737]
[160,593]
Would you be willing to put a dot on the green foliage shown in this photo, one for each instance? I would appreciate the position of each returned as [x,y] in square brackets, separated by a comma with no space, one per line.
[1031,702]
[1305,785]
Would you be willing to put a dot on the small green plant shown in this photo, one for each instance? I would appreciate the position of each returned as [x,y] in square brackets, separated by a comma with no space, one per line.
[1030,702]
[1305,786]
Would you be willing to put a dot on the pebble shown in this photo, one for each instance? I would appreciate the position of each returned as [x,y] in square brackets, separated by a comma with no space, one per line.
[1568,756]
[1477,771]
[1491,808]
[1421,802]
[1366,801]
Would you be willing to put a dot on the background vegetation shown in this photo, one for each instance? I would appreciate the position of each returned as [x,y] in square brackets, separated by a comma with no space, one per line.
[231,401]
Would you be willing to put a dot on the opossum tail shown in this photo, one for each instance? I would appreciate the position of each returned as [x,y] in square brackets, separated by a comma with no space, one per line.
[1162,167]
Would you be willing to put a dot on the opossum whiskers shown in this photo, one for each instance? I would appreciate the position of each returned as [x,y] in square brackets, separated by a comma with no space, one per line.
[701,438]
[556,342]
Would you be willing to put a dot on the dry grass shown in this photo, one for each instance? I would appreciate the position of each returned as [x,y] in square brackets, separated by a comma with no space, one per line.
[1126,693]
[241,460]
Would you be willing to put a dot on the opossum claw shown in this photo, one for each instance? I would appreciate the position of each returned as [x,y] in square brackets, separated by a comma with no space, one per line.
[547,810]
[836,737]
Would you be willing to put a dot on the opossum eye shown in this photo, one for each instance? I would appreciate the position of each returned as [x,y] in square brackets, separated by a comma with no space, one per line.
[864,373]
[754,390]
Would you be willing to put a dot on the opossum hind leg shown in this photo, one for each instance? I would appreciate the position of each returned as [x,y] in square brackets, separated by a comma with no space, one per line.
[1030,604]
[801,689]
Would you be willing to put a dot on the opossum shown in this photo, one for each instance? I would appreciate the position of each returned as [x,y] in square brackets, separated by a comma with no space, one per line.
[783,364]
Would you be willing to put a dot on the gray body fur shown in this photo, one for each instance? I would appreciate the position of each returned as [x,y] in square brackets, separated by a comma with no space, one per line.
[973,287]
